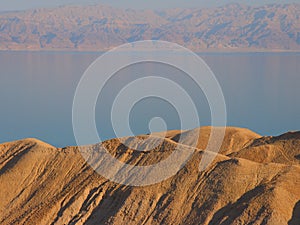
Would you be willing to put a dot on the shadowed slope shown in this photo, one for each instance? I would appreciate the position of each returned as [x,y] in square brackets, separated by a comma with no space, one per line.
[296,215]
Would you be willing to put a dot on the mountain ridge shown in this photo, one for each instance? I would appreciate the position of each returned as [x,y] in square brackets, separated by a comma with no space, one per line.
[233,27]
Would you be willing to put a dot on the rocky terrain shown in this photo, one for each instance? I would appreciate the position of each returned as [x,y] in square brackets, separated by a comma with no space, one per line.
[232,27]
[253,180]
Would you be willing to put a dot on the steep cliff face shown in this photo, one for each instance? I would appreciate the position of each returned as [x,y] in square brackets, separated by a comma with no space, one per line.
[254,180]
[90,28]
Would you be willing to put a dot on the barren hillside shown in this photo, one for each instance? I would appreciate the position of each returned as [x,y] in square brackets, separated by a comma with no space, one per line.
[253,180]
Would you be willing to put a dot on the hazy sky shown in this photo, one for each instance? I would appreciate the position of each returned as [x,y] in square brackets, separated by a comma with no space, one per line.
[17,4]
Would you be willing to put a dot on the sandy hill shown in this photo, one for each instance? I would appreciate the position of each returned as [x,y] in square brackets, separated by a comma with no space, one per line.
[253,180]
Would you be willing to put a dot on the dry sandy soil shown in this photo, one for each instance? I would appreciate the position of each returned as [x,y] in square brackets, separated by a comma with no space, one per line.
[253,180]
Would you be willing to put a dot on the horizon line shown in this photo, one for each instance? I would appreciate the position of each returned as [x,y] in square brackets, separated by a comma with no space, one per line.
[142,9]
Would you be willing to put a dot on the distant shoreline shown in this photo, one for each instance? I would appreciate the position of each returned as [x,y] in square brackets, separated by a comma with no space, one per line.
[204,51]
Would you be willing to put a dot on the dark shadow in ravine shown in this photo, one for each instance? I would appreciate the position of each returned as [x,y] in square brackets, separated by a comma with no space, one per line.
[229,213]
[296,215]
[108,207]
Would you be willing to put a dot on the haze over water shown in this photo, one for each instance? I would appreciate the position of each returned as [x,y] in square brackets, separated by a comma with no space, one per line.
[37,89]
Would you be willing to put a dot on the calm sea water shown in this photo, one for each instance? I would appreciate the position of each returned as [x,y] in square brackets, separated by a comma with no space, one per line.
[37,89]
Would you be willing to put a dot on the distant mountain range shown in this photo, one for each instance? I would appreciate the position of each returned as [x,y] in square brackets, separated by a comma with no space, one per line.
[232,27]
